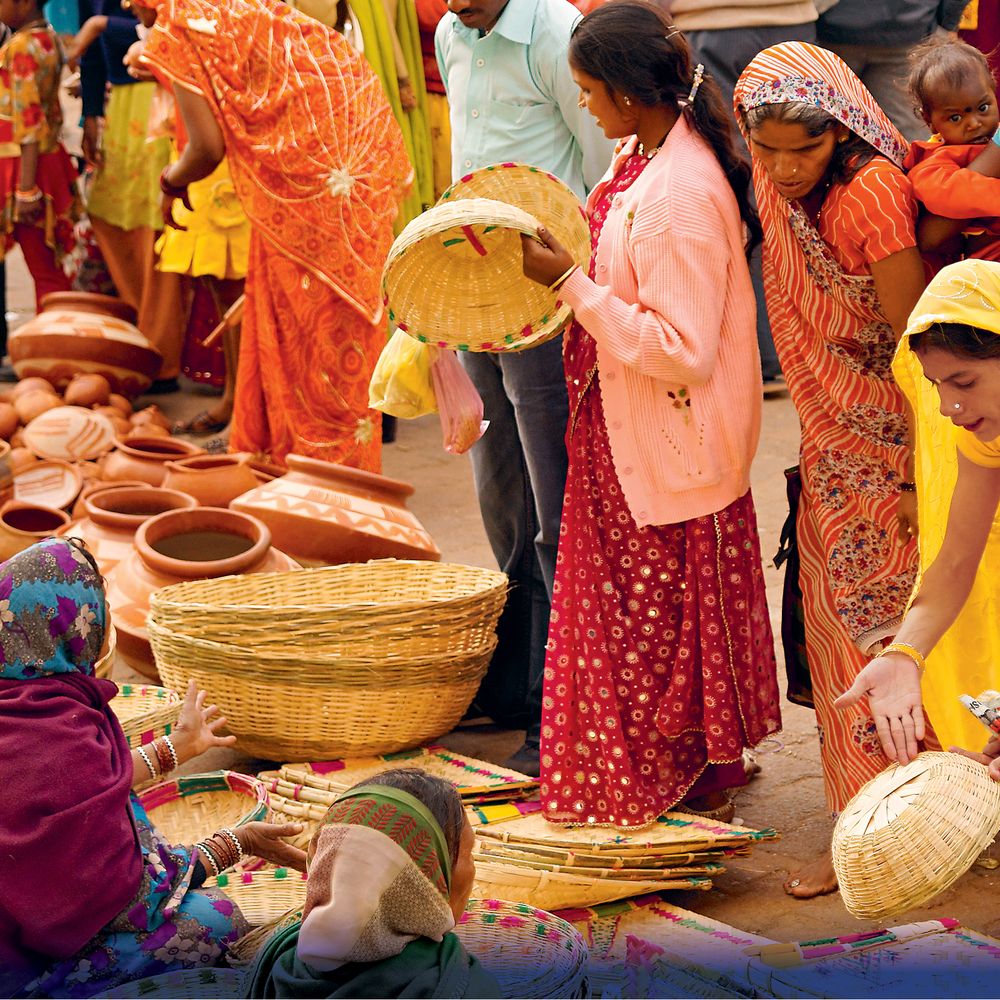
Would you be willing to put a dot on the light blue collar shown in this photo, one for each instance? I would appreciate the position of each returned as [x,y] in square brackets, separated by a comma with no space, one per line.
[516,23]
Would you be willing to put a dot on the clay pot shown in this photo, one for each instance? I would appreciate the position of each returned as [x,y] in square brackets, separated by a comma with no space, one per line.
[149,415]
[9,420]
[214,480]
[17,439]
[51,483]
[325,513]
[78,333]
[114,514]
[35,403]
[21,457]
[146,458]
[183,545]
[30,385]
[121,404]
[22,524]
[6,470]
[87,390]
[147,430]
[95,486]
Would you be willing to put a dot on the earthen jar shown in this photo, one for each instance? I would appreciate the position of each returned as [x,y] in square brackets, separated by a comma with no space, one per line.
[181,545]
[214,480]
[23,524]
[115,514]
[6,471]
[79,333]
[325,513]
[93,486]
[146,458]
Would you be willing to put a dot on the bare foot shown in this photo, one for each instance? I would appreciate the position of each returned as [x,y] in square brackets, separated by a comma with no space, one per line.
[815,879]
[717,806]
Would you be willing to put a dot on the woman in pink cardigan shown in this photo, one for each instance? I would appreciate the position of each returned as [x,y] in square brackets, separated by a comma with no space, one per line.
[660,667]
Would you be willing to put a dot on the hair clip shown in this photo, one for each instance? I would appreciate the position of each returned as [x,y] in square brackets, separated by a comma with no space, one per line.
[699,75]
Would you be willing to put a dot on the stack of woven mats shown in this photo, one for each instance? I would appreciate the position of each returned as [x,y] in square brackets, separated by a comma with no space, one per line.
[521,856]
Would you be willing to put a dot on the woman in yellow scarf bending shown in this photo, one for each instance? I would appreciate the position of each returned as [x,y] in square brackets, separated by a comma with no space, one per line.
[948,364]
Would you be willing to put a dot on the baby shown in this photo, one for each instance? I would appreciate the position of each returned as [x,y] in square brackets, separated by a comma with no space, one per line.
[950,82]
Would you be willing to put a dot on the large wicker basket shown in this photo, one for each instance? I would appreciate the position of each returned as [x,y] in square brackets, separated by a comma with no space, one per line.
[195,806]
[146,712]
[531,953]
[912,831]
[193,983]
[262,895]
[339,661]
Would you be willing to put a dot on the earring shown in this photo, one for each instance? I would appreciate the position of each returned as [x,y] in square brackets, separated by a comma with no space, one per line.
[842,140]
[628,100]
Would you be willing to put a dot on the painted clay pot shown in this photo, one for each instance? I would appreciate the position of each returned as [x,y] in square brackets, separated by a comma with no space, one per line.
[214,480]
[146,458]
[78,333]
[325,513]
[183,545]
[49,483]
[6,471]
[114,515]
[22,524]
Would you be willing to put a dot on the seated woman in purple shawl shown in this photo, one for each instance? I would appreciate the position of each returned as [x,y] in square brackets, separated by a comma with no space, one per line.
[92,896]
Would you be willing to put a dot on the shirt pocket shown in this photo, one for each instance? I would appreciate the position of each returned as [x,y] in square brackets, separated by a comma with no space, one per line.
[529,117]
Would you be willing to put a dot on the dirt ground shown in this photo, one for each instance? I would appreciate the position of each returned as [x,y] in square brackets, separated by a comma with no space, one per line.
[788,794]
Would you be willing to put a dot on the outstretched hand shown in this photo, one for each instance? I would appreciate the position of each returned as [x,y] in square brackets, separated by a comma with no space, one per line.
[892,685]
[263,840]
[545,259]
[197,726]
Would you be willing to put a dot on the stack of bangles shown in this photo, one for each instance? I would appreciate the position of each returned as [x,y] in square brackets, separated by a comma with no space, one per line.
[30,196]
[163,758]
[171,190]
[911,652]
[220,851]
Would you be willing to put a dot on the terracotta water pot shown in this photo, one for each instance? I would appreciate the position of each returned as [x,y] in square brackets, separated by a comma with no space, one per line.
[181,545]
[79,333]
[93,486]
[115,514]
[214,480]
[22,524]
[146,458]
[325,513]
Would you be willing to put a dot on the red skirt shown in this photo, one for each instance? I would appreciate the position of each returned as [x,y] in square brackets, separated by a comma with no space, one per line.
[660,658]
[56,177]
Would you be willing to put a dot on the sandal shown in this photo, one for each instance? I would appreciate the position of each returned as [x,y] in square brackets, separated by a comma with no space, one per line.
[199,425]
[721,814]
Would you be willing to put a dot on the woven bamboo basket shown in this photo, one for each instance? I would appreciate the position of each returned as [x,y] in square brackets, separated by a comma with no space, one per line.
[146,712]
[564,890]
[531,953]
[637,874]
[194,806]
[242,952]
[537,853]
[912,831]
[194,983]
[262,895]
[453,278]
[385,610]
[309,814]
[102,667]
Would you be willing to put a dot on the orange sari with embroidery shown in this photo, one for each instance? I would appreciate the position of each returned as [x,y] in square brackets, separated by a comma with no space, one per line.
[318,162]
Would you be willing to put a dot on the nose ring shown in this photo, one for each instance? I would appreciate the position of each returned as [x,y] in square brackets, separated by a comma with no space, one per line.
[956,406]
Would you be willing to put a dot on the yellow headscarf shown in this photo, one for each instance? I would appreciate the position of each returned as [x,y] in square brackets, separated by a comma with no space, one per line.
[964,661]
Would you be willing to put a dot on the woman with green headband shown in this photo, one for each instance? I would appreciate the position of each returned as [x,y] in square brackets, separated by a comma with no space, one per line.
[390,872]
[948,364]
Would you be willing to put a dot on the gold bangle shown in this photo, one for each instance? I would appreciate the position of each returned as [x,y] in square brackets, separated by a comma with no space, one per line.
[557,284]
[907,650]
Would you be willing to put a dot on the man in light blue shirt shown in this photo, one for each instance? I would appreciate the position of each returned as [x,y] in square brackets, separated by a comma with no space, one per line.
[505,69]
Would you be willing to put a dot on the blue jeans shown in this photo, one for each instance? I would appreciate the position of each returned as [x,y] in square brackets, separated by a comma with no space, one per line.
[519,467]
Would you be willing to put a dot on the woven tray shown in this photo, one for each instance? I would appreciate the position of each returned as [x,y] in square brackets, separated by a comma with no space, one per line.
[531,953]
[453,278]
[193,983]
[195,806]
[243,952]
[103,666]
[146,712]
[472,777]
[912,831]
[638,874]
[538,853]
[263,895]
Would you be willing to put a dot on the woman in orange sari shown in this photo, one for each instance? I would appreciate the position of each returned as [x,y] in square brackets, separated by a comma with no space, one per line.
[318,162]
[841,274]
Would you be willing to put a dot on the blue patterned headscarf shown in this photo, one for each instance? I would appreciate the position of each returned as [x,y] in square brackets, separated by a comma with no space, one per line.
[53,614]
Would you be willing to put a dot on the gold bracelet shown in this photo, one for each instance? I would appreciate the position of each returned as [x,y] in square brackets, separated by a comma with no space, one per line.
[557,284]
[907,650]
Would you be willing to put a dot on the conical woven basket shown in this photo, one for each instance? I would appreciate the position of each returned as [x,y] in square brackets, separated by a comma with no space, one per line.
[146,712]
[453,278]
[262,895]
[912,831]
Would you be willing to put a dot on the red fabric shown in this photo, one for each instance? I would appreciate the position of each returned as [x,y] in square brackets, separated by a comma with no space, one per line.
[429,12]
[69,853]
[47,275]
[208,364]
[660,662]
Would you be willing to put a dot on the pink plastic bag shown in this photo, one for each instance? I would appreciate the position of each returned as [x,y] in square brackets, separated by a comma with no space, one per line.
[459,405]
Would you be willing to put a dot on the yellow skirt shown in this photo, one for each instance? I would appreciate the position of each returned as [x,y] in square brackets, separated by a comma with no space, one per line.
[965,660]
[216,240]
[126,190]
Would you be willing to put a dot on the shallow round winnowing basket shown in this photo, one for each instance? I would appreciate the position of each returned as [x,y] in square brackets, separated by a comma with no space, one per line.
[912,831]
[453,278]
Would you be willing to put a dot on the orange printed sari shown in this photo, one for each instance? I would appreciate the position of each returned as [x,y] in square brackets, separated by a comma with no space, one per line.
[319,164]
[836,346]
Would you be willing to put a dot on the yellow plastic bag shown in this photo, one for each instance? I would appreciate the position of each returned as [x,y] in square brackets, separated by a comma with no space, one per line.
[401,384]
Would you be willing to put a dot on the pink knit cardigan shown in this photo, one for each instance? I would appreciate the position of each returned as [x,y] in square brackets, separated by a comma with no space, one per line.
[672,311]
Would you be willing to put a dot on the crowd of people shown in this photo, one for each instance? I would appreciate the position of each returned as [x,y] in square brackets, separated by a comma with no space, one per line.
[795,207]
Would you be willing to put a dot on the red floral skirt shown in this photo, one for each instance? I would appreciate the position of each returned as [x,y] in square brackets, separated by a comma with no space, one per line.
[56,177]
